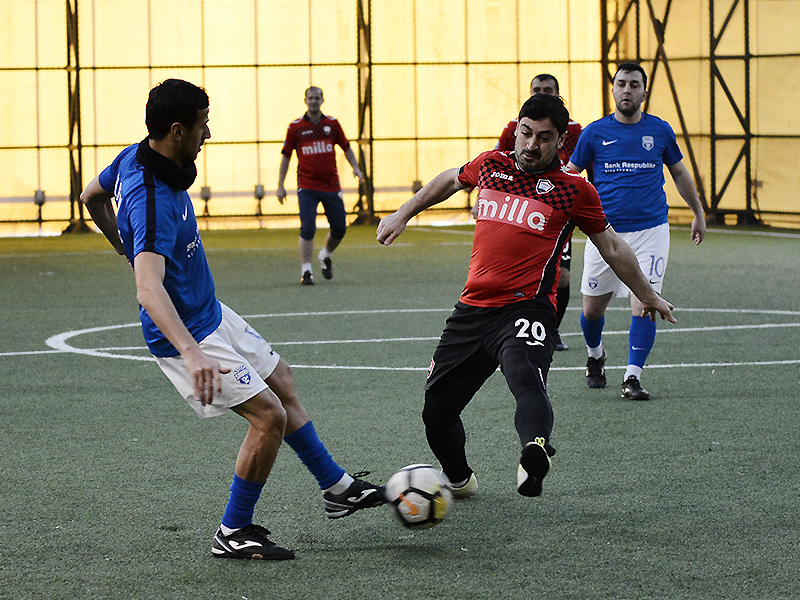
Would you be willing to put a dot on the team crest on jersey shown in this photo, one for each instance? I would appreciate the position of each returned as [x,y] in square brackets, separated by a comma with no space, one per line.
[326,129]
[242,375]
[648,143]
[544,186]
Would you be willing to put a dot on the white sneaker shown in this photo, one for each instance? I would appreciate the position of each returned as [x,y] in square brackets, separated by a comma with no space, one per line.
[469,489]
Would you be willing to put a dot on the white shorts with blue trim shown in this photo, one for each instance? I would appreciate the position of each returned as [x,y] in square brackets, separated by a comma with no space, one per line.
[652,251]
[234,345]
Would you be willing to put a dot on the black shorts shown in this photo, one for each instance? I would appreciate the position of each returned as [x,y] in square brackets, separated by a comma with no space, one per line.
[476,340]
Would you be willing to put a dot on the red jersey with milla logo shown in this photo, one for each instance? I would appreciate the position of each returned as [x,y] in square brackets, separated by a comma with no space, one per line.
[315,144]
[522,224]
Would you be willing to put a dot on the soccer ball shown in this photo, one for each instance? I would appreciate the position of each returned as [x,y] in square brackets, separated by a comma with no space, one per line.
[418,496]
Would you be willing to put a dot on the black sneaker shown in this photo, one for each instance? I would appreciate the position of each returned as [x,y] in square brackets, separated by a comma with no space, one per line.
[534,463]
[360,494]
[633,390]
[560,346]
[307,278]
[327,267]
[596,371]
[249,542]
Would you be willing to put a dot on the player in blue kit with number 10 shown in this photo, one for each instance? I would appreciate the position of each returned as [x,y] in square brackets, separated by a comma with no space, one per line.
[628,150]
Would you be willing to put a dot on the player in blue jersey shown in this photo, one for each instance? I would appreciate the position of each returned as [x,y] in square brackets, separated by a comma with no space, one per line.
[215,360]
[628,151]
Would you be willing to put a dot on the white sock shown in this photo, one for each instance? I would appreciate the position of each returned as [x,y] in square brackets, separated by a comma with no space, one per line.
[305,267]
[595,352]
[324,253]
[634,370]
[226,531]
[341,486]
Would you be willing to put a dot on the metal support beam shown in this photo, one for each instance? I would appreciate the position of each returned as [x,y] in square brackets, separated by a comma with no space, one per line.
[659,29]
[741,108]
[77,221]
[365,208]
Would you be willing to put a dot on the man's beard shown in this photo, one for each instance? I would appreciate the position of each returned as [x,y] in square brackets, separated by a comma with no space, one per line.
[628,112]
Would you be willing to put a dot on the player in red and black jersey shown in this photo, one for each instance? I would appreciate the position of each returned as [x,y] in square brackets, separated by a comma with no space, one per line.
[315,136]
[528,204]
[548,84]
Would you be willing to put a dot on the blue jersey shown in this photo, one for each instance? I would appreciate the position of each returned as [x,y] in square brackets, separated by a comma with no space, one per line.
[628,168]
[154,217]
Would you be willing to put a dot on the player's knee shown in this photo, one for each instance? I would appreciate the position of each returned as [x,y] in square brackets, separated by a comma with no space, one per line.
[267,414]
[434,412]
[338,231]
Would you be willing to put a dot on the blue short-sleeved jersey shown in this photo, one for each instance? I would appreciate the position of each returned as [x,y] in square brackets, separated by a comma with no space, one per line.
[628,167]
[154,217]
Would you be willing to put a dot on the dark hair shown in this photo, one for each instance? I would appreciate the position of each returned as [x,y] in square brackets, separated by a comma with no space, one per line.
[545,77]
[545,106]
[630,67]
[313,87]
[173,101]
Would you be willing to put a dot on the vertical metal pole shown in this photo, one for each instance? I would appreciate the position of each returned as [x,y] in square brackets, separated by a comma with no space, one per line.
[365,207]
[75,146]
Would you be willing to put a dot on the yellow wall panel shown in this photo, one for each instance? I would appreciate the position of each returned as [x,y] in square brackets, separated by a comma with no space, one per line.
[492,95]
[394,102]
[441,90]
[491,30]
[120,33]
[393,27]
[440,29]
[333,32]
[18,105]
[443,70]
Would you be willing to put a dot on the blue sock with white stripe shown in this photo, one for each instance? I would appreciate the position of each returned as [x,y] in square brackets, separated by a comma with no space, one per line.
[315,456]
[641,338]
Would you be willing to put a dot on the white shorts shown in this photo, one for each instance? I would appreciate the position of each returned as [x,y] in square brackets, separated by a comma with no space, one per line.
[237,346]
[652,251]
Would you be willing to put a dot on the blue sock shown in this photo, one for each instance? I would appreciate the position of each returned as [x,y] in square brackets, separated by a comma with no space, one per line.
[592,330]
[242,503]
[641,338]
[315,455]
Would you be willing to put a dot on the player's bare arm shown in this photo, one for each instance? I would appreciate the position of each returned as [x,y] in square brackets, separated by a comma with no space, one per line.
[439,189]
[619,256]
[283,169]
[686,188]
[151,294]
[98,202]
[351,158]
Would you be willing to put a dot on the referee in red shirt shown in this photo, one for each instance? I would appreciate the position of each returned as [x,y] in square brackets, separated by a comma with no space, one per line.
[314,137]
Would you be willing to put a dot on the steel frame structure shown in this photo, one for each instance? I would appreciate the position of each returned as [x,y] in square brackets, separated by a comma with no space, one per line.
[635,13]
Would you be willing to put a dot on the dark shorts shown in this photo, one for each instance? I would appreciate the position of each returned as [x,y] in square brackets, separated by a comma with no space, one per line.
[332,204]
[477,340]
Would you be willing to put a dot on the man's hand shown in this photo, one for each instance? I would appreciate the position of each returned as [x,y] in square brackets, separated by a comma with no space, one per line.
[698,230]
[390,228]
[281,194]
[205,376]
[661,307]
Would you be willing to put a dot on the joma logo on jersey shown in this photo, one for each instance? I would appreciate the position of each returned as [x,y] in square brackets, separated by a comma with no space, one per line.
[319,147]
[504,208]
[500,175]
